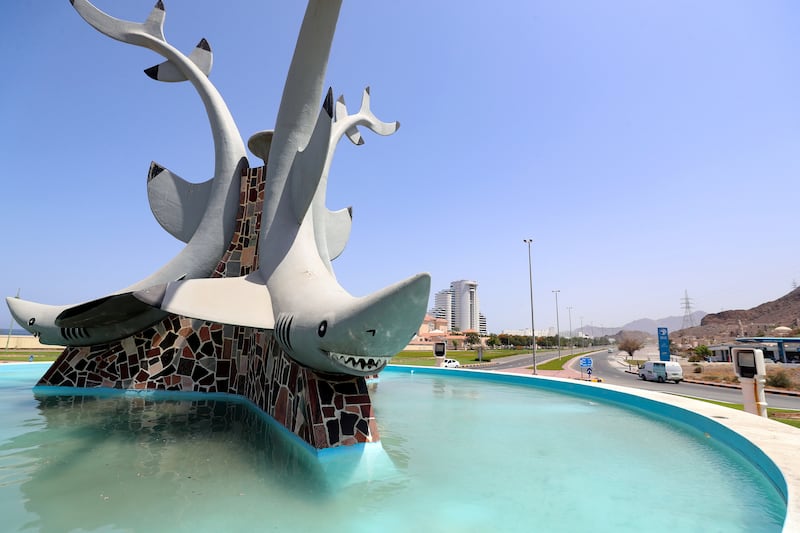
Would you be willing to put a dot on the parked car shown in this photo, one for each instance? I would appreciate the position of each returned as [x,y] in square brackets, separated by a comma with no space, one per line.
[451,363]
[661,371]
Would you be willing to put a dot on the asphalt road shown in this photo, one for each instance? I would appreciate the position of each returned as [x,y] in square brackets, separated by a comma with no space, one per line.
[606,367]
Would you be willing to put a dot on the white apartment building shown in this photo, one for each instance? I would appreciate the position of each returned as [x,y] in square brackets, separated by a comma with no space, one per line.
[460,307]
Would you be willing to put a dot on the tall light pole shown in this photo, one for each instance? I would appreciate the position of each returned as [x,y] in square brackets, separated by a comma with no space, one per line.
[530,281]
[558,327]
[571,345]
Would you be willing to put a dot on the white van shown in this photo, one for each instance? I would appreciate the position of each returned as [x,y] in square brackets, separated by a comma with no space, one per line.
[661,371]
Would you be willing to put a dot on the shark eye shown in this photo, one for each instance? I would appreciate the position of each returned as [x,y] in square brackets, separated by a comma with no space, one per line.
[32,321]
[323,328]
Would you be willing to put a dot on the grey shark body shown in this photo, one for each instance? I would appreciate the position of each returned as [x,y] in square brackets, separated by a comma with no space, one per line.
[201,214]
[294,291]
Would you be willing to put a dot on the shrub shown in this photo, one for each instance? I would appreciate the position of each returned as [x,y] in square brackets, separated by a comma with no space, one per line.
[694,358]
[697,369]
[779,379]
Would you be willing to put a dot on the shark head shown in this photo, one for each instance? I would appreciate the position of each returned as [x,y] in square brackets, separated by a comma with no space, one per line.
[37,319]
[108,319]
[357,336]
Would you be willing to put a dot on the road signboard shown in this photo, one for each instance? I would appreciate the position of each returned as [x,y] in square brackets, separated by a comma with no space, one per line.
[586,362]
[663,344]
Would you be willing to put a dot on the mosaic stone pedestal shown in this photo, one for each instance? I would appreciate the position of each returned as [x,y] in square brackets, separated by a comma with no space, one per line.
[182,354]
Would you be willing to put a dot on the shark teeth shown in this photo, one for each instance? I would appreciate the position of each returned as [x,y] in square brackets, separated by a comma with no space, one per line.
[357,362]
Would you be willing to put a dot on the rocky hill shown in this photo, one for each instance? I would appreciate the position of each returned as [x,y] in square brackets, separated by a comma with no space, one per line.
[760,321]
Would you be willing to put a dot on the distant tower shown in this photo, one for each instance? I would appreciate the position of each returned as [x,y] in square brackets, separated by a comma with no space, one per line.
[688,319]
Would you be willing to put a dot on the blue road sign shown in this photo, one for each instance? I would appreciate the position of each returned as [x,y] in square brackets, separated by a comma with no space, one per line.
[663,344]
[586,362]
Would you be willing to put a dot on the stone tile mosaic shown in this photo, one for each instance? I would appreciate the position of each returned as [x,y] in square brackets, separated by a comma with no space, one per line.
[182,354]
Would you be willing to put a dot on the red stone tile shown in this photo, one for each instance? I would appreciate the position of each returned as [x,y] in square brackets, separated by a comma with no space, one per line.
[357,399]
[282,407]
[320,437]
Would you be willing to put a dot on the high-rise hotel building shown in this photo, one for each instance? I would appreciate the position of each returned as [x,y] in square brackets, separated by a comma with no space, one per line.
[459,305]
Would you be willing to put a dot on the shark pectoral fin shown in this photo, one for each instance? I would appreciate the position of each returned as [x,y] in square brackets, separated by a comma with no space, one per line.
[337,230]
[243,301]
[307,167]
[167,71]
[106,311]
[177,204]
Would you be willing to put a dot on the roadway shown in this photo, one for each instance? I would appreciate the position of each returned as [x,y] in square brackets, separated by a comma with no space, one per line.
[607,367]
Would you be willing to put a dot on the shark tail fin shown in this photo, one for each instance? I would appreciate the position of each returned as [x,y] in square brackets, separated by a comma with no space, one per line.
[201,56]
[122,30]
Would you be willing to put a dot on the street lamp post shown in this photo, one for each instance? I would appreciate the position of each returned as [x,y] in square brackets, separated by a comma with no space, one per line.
[530,282]
[583,336]
[571,344]
[558,327]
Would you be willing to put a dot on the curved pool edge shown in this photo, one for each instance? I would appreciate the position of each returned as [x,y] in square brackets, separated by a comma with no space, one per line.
[776,441]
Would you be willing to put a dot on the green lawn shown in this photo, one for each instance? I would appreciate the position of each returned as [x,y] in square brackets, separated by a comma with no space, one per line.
[558,363]
[465,357]
[772,413]
[23,355]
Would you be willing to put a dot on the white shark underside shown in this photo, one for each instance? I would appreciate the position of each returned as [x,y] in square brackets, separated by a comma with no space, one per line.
[294,291]
[203,215]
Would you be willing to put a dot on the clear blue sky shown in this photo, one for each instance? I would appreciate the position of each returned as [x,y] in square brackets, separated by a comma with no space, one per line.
[649,148]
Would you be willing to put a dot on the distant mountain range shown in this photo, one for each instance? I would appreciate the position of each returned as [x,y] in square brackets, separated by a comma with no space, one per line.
[647,325]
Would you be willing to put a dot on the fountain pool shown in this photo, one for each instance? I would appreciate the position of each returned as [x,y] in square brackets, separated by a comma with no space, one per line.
[459,452]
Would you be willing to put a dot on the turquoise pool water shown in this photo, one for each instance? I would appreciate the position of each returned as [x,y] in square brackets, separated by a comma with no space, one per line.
[458,454]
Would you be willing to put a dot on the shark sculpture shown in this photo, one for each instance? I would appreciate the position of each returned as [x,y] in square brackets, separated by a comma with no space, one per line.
[294,291]
[203,215]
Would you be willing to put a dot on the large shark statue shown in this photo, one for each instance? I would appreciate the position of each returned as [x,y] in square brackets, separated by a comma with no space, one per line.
[203,215]
[294,291]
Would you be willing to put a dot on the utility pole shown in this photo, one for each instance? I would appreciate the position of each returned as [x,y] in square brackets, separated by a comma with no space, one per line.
[688,319]
[571,344]
[558,327]
[530,281]
[10,327]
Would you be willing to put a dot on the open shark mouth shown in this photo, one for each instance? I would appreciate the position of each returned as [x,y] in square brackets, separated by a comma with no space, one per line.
[359,363]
